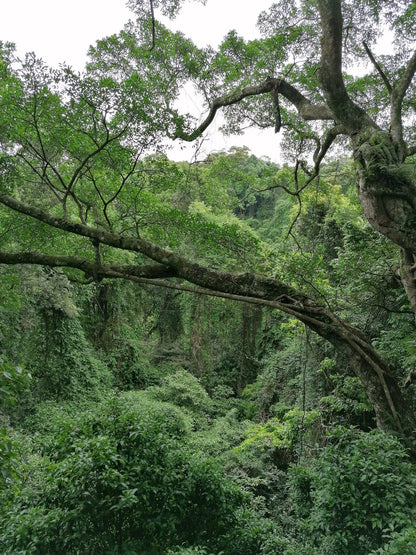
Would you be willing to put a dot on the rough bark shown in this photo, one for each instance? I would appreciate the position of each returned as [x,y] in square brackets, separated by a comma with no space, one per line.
[343,109]
[386,187]
[89,267]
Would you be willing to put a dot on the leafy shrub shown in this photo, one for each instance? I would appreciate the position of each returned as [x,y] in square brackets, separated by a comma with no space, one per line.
[360,490]
[278,437]
[120,477]
[401,543]
[184,390]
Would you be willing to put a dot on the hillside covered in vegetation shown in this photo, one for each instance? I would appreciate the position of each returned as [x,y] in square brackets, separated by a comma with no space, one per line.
[141,418]
[215,357]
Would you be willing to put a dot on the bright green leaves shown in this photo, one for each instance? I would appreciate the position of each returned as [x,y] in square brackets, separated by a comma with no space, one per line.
[184,390]
[189,208]
[223,231]
[348,400]
[64,139]
[54,131]
[326,262]
[237,58]
[31,110]
[294,28]
[360,490]
[161,70]
[278,434]
[14,381]
[74,140]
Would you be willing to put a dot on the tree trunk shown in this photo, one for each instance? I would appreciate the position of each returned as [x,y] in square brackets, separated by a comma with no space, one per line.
[385,186]
[387,192]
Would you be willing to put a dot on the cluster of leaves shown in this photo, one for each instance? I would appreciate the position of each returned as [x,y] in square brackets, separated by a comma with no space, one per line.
[357,495]
[120,474]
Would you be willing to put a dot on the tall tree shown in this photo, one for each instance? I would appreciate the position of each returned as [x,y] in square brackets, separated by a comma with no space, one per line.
[73,171]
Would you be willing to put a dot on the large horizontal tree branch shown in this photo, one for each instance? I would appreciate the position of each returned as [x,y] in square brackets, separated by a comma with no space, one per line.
[306,109]
[244,284]
[148,274]
[298,305]
[89,267]
[270,292]
[373,372]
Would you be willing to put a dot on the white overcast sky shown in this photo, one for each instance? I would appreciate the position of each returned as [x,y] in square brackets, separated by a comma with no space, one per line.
[59,31]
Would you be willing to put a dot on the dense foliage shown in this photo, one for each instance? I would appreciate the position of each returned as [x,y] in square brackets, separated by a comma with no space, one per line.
[156,421]
[216,357]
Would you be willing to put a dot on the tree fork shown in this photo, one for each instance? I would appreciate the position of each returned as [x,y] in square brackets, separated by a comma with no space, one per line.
[386,187]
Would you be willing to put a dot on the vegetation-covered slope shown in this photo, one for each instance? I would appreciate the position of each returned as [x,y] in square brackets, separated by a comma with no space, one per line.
[153,420]
[215,357]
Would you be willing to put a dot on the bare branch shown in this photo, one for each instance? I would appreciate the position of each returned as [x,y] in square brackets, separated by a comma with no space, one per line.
[275,97]
[378,67]
[306,109]
[319,154]
[152,13]
[329,138]
[397,96]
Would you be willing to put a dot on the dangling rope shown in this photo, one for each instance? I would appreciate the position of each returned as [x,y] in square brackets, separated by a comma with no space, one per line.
[303,407]
[275,96]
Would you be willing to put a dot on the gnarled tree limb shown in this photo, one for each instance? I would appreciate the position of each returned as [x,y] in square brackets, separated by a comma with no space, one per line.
[382,389]
[397,96]
[88,266]
[378,67]
[344,110]
[306,109]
